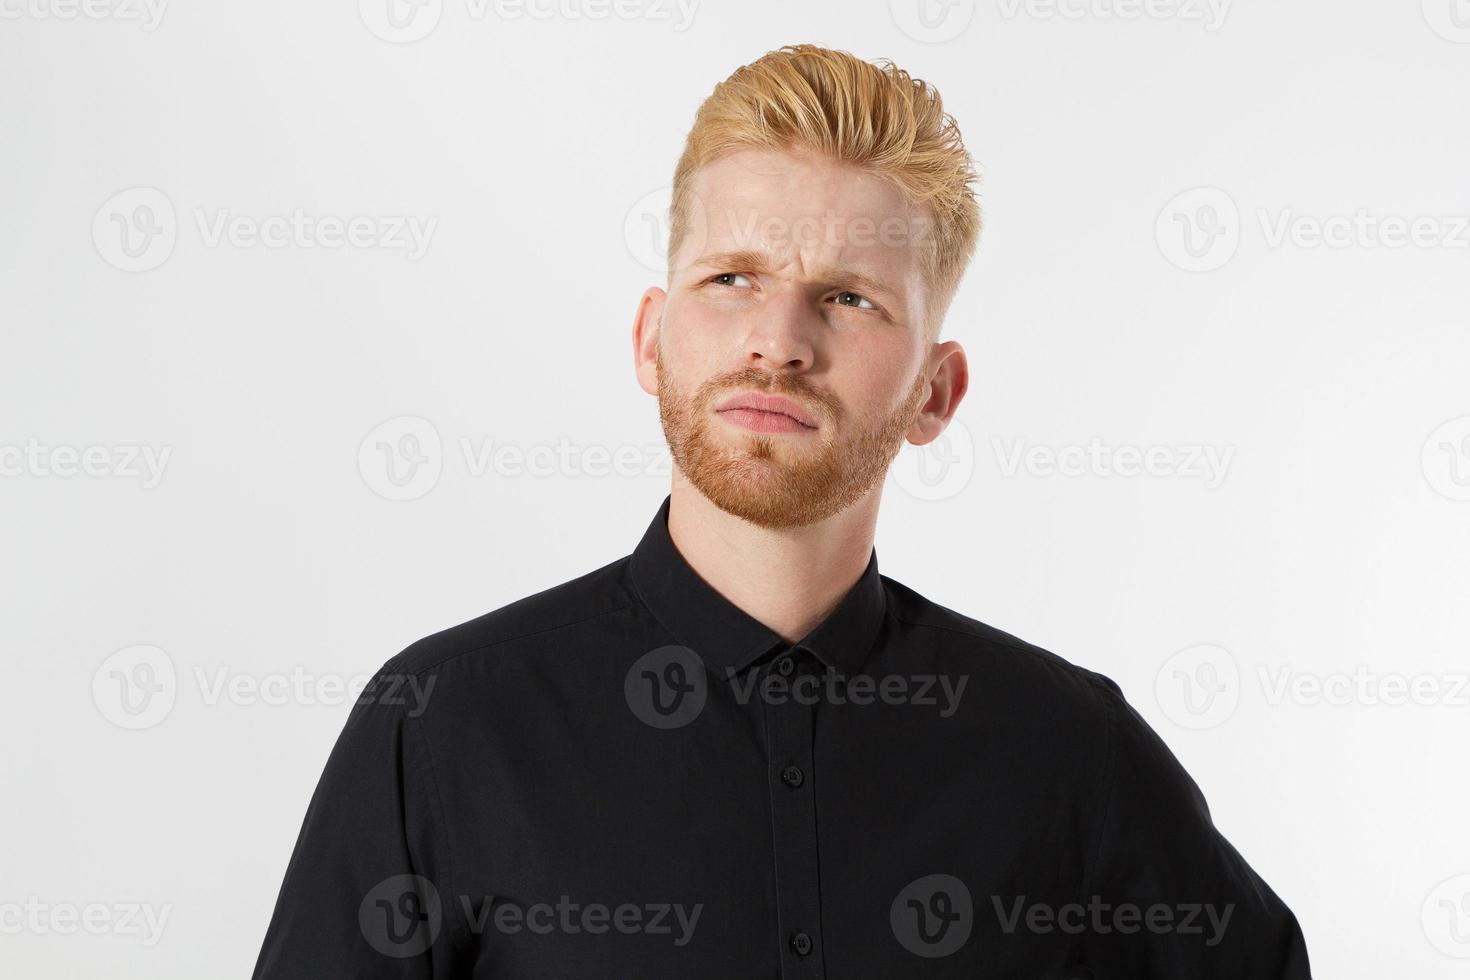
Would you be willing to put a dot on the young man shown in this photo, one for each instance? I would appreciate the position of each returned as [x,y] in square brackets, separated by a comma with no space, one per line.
[741,751]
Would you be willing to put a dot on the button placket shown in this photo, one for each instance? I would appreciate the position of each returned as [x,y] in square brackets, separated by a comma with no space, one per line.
[789,727]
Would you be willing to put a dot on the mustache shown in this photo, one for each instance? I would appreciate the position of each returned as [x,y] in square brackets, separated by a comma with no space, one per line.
[787,386]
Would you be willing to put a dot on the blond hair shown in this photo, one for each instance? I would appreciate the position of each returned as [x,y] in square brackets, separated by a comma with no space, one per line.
[872,116]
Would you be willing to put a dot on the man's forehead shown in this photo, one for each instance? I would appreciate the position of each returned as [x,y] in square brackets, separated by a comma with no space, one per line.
[806,209]
[797,184]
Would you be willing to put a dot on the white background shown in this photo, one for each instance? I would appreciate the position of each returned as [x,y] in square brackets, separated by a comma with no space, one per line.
[1332,381]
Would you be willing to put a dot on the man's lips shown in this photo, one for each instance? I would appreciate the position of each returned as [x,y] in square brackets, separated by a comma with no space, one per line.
[750,406]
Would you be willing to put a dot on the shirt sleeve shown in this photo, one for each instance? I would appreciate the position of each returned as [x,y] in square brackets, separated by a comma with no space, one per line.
[1169,896]
[363,894]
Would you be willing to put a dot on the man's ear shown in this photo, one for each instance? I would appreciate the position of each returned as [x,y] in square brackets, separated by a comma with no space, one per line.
[948,381]
[646,324]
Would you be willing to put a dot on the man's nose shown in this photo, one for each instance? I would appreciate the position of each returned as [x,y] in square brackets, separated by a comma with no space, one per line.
[783,329]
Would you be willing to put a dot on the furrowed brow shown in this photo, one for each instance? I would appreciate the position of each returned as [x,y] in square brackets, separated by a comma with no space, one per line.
[744,259]
[752,260]
[857,282]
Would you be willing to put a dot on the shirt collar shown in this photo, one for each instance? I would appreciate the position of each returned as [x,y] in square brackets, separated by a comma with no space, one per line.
[728,638]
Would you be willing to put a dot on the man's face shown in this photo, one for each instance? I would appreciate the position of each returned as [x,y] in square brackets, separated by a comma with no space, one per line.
[800,279]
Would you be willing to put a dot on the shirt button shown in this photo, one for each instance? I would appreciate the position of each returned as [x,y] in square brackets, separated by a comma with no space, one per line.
[802,943]
[785,665]
[792,776]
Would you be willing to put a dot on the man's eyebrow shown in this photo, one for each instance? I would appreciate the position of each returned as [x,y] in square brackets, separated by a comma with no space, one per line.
[753,260]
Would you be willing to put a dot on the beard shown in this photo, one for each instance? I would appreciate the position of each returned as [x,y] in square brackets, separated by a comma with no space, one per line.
[747,474]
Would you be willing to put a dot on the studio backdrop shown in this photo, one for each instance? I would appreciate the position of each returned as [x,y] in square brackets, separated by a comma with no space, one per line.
[315,338]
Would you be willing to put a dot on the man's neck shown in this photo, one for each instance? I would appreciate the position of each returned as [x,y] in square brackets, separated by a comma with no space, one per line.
[788,579]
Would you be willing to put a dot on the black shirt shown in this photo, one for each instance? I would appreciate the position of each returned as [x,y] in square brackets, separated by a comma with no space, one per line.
[628,776]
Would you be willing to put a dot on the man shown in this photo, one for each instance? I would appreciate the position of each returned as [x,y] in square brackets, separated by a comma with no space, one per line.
[740,751]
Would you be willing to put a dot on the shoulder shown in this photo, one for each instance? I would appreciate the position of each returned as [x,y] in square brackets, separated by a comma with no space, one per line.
[1033,686]
[1001,657]
[579,602]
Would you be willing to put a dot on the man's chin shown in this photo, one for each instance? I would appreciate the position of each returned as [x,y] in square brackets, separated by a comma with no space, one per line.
[766,493]
[763,510]
[771,482]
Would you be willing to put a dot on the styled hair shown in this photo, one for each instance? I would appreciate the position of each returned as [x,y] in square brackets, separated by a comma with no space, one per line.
[872,116]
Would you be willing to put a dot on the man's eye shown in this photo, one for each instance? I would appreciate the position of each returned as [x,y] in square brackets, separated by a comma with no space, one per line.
[849,298]
[729,275]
